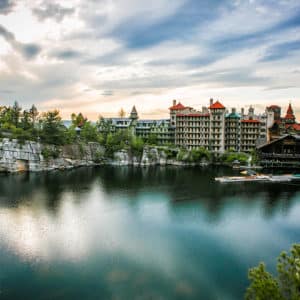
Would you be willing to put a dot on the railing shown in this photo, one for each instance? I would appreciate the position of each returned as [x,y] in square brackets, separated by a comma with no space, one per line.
[279,155]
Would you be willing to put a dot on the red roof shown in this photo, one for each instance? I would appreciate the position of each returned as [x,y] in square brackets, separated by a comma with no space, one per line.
[289,113]
[178,106]
[217,105]
[192,115]
[294,126]
[250,121]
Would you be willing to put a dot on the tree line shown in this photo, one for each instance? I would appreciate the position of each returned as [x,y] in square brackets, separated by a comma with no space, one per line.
[49,128]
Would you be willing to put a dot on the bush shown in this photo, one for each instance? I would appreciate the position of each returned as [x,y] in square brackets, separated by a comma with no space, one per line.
[137,146]
[117,141]
[171,154]
[98,157]
[229,157]
[48,153]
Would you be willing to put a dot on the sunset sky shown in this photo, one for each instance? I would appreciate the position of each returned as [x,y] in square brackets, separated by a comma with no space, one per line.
[96,56]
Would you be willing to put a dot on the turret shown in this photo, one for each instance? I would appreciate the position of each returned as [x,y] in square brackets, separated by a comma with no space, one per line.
[290,117]
[134,115]
[251,113]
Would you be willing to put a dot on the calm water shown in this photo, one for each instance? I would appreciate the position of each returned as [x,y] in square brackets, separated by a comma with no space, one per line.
[123,233]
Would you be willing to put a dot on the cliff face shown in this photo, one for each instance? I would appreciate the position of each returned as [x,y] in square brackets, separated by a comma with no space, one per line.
[32,156]
[149,157]
[15,157]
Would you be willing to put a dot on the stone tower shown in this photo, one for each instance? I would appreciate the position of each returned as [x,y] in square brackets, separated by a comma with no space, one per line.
[133,115]
[134,118]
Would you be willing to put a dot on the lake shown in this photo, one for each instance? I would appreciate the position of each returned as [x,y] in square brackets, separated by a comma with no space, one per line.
[139,233]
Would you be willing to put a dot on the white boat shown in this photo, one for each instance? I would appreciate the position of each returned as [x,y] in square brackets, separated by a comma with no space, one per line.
[226,179]
[259,177]
[281,178]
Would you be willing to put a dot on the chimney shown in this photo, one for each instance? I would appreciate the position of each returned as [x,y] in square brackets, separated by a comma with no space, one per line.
[233,110]
[204,110]
[174,102]
[251,112]
[242,111]
[211,101]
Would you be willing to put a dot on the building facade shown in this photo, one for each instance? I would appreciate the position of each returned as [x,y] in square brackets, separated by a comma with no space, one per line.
[284,152]
[159,130]
[217,130]
[213,127]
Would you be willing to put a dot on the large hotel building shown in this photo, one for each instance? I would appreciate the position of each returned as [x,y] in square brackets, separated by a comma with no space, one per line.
[213,127]
[216,129]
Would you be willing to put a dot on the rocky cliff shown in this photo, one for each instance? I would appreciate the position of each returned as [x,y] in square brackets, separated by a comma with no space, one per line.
[32,156]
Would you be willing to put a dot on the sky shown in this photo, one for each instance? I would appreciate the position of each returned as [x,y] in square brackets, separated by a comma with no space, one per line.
[98,56]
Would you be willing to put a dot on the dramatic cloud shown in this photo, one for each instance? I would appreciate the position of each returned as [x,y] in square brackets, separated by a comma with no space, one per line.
[106,54]
[27,50]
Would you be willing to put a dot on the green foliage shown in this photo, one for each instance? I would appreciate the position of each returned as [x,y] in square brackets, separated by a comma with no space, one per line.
[17,124]
[52,129]
[116,141]
[89,132]
[199,154]
[137,146]
[152,139]
[171,154]
[254,157]
[229,157]
[98,157]
[78,120]
[105,127]
[70,135]
[50,152]
[286,286]
[194,155]
[182,155]
[15,114]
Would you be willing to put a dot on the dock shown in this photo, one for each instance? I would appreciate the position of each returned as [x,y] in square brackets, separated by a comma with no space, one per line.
[259,178]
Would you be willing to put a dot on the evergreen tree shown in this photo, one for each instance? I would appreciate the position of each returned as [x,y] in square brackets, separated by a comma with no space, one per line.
[15,114]
[53,131]
[286,286]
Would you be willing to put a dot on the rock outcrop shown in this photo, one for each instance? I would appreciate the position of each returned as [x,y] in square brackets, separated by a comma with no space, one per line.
[33,156]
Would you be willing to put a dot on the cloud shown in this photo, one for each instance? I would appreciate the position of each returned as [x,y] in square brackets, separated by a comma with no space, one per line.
[66,54]
[180,23]
[6,6]
[52,11]
[29,50]
[105,53]
[280,87]
[282,51]
[107,93]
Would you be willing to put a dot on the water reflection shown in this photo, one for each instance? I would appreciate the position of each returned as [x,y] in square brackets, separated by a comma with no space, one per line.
[178,185]
[128,233]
